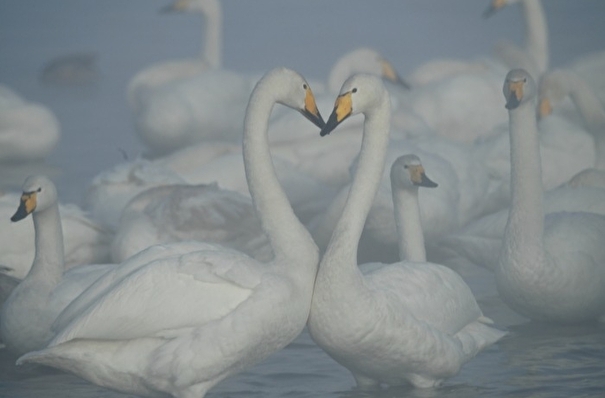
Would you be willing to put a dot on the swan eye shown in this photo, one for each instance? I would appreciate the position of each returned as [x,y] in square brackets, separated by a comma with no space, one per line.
[405,166]
[354,90]
[305,86]
[525,80]
[40,189]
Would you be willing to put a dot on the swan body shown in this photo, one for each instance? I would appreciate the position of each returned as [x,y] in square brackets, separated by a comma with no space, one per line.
[384,325]
[210,313]
[27,314]
[165,73]
[28,131]
[551,268]
[86,242]
[203,213]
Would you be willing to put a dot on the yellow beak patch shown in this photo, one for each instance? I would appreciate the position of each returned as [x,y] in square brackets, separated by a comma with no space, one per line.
[29,201]
[416,173]
[343,106]
[545,108]
[516,89]
[310,105]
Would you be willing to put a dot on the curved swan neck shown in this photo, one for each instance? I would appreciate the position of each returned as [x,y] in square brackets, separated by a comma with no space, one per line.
[288,237]
[345,238]
[409,225]
[212,51]
[536,36]
[48,261]
[525,228]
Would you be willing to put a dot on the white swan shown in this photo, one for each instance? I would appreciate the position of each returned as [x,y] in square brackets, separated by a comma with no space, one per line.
[28,131]
[550,268]
[387,326]
[86,242]
[205,213]
[208,314]
[558,84]
[157,75]
[534,56]
[31,308]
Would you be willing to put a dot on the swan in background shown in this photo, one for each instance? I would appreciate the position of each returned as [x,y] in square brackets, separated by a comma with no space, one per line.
[86,242]
[215,312]
[551,268]
[559,84]
[534,56]
[27,314]
[28,131]
[388,326]
[206,213]
[590,68]
[163,73]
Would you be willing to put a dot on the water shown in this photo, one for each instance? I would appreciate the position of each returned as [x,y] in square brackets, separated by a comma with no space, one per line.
[534,360]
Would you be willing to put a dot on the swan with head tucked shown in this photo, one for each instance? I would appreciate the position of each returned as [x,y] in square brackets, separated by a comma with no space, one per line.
[205,213]
[157,75]
[555,86]
[28,131]
[551,268]
[29,311]
[399,323]
[179,326]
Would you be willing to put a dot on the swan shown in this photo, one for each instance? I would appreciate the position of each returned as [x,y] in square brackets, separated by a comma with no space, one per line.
[207,314]
[384,326]
[551,268]
[86,242]
[534,56]
[28,131]
[203,212]
[29,311]
[558,84]
[163,73]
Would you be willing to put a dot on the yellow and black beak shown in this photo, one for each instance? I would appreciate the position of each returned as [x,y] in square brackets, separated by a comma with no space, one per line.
[419,178]
[26,206]
[342,110]
[310,110]
[176,6]
[495,6]
[515,94]
[390,74]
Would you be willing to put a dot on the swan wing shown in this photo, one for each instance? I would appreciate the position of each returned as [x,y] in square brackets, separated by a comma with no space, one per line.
[431,293]
[168,294]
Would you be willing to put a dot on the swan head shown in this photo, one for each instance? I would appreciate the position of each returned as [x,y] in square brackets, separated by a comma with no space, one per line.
[363,60]
[407,172]
[39,193]
[519,87]
[497,5]
[553,89]
[206,7]
[358,94]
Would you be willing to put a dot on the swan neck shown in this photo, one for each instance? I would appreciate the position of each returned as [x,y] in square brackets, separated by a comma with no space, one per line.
[409,225]
[288,237]
[525,227]
[536,30]
[345,238]
[588,104]
[48,260]
[212,51]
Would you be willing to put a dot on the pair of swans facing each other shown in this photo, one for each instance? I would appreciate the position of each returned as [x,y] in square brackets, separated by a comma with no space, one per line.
[149,357]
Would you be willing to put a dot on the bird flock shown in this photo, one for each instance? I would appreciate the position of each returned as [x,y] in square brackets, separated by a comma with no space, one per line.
[245,222]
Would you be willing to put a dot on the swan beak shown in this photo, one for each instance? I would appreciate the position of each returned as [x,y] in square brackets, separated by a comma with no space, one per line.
[545,108]
[389,73]
[310,110]
[342,110]
[494,7]
[178,5]
[26,206]
[419,178]
[515,94]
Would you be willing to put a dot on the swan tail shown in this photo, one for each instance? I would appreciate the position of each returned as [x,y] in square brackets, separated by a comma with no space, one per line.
[477,336]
